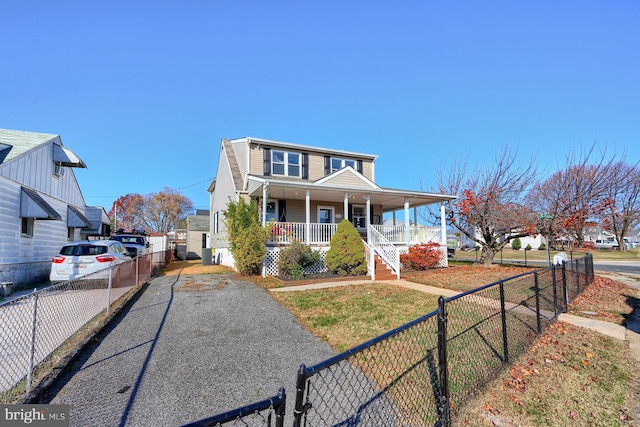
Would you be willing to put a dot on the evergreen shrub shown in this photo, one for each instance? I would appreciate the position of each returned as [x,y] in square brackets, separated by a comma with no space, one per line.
[346,256]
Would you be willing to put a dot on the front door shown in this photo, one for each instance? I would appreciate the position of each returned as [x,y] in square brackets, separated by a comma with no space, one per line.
[326,215]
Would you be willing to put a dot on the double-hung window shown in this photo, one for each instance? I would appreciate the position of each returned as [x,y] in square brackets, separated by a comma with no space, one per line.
[338,163]
[285,163]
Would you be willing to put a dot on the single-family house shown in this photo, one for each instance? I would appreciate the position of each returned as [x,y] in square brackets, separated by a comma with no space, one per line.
[306,191]
[41,205]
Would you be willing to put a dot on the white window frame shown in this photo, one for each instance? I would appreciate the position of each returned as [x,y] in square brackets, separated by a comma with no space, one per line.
[328,208]
[343,163]
[362,217]
[271,215]
[30,225]
[286,163]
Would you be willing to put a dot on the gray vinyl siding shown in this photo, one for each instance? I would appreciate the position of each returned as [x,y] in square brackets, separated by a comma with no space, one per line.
[224,191]
[35,170]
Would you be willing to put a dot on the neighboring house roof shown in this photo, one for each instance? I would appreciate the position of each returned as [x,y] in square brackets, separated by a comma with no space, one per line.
[18,142]
[14,143]
[198,222]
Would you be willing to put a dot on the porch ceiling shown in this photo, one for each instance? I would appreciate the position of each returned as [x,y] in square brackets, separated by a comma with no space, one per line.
[389,199]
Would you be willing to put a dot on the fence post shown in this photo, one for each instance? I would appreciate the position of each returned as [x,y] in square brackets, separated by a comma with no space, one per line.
[503,311]
[34,326]
[537,290]
[442,363]
[564,286]
[137,274]
[280,412]
[109,291]
[555,291]
[299,408]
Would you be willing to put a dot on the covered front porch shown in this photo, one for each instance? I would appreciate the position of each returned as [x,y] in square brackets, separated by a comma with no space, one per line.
[310,213]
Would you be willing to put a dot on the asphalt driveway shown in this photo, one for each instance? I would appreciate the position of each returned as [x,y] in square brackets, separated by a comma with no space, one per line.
[189,347]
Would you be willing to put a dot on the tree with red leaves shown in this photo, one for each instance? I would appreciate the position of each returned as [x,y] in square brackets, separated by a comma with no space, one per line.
[492,208]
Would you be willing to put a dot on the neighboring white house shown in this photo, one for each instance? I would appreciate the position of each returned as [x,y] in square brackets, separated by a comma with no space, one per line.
[306,191]
[41,205]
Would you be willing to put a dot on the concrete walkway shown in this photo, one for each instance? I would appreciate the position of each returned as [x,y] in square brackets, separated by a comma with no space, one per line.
[606,328]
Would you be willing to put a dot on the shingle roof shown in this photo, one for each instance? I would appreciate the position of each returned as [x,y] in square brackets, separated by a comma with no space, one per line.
[16,142]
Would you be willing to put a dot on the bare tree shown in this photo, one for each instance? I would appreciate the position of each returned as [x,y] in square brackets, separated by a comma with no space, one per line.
[491,208]
[571,199]
[621,207]
[155,212]
[163,210]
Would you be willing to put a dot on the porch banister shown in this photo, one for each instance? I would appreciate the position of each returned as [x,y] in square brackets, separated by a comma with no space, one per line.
[406,222]
[307,207]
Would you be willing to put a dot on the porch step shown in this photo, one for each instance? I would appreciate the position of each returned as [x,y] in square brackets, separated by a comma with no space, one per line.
[382,271]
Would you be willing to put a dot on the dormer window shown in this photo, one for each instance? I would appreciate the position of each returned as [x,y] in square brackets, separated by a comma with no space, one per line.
[338,163]
[285,163]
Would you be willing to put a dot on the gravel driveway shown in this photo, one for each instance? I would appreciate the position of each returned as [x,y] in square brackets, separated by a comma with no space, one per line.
[189,347]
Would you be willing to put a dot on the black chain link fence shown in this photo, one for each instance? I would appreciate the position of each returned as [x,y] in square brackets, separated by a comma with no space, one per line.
[40,328]
[422,372]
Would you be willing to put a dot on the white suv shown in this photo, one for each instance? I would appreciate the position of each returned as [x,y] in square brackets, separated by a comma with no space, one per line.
[84,257]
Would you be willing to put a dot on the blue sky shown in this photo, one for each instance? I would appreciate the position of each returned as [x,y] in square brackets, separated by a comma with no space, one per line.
[143,91]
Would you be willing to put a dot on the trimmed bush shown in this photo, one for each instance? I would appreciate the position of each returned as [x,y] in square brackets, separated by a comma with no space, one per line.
[346,256]
[422,256]
[295,258]
[250,249]
[516,244]
[542,247]
[528,248]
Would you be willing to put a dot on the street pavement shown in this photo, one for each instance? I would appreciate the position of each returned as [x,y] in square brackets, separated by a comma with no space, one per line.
[188,348]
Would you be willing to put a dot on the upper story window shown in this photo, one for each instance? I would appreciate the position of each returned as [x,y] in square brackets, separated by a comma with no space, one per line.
[285,163]
[338,163]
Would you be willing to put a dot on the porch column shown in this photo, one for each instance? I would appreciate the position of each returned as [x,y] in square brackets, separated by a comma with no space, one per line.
[264,204]
[346,206]
[443,226]
[368,199]
[394,218]
[307,207]
[406,221]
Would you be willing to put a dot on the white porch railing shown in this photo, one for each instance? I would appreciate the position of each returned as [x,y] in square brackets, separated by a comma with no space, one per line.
[417,234]
[386,250]
[287,232]
[321,234]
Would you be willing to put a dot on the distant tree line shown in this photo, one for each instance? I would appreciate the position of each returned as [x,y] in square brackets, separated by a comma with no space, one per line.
[160,212]
[507,199]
